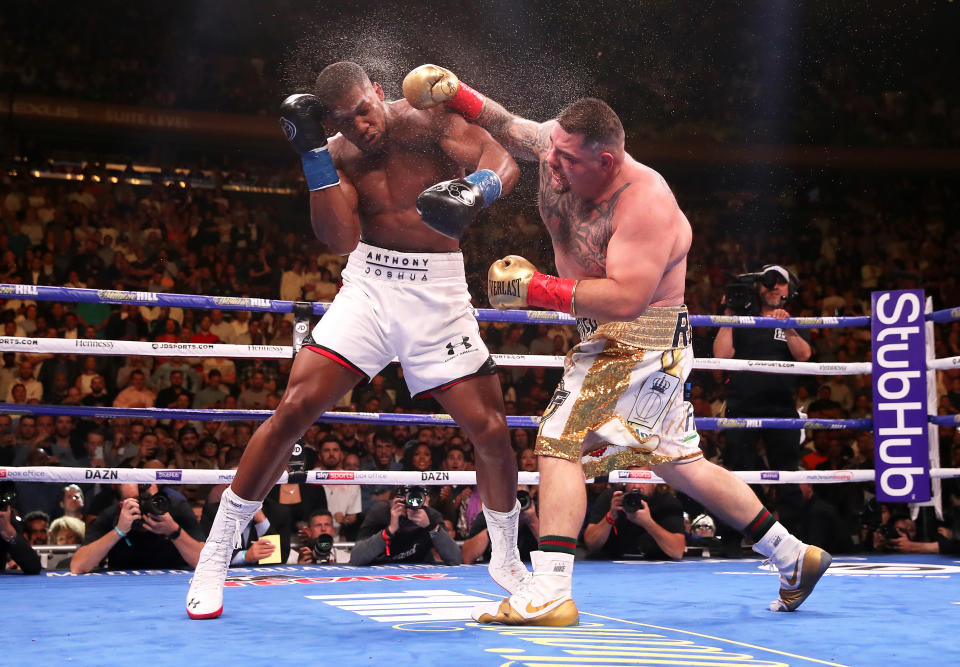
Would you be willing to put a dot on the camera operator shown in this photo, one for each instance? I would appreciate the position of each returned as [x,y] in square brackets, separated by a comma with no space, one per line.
[13,545]
[403,530]
[763,294]
[319,549]
[632,523]
[476,548]
[145,530]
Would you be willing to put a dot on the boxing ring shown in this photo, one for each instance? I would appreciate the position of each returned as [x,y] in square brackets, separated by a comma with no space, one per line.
[867,610]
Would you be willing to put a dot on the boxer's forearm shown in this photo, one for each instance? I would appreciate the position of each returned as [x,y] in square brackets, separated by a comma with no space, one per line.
[499,161]
[524,139]
[333,220]
[608,300]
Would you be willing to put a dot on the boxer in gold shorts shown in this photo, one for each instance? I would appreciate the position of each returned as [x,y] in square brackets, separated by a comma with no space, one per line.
[621,403]
[620,242]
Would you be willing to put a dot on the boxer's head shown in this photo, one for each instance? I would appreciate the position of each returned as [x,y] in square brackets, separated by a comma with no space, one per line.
[586,148]
[353,104]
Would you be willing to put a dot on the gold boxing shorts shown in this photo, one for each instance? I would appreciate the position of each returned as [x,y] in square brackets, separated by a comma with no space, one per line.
[621,400]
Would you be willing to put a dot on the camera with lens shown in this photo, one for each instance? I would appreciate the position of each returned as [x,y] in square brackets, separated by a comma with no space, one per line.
[740,294]
[322,547]
[525,500]
[633,500]
[889,531]
[8,497]
[414,497]
[155,504]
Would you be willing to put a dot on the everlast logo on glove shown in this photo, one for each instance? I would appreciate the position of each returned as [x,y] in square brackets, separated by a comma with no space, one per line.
[505,287]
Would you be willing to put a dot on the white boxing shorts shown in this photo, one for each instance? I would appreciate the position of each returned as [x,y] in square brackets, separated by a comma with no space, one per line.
[621,400]
[409,306]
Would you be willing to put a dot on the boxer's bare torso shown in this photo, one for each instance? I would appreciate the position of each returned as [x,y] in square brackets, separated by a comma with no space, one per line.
[582,231]
[414,150]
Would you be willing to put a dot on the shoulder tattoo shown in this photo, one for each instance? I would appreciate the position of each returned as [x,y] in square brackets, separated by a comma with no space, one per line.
[583,230]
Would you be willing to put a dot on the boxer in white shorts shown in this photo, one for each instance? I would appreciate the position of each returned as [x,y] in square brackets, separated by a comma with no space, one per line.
[406,182]
[414,307]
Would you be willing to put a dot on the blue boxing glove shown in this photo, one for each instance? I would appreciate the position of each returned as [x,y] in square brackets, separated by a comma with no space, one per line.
[300,119]
[450,206]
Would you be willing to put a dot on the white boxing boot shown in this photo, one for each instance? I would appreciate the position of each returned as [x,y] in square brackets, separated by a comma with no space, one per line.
[505,566]
[205,598]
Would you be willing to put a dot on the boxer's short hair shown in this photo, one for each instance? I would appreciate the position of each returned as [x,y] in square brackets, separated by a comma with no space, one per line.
[595,120]
[338,79]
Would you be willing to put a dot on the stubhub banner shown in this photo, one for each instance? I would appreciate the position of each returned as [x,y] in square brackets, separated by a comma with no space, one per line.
[900,397]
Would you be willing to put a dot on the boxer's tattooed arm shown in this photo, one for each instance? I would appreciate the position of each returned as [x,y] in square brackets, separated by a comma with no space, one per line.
[583,231]
[524,139]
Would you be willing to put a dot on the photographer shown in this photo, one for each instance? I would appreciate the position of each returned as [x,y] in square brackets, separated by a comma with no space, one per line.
[319,549]
[763,294]
[12,544]
[145,530]
[476,548]
[901,536]
[403,530]
[631,523]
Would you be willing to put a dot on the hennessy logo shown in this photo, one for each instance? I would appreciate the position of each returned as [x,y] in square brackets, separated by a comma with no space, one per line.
[465,342]
[660,385]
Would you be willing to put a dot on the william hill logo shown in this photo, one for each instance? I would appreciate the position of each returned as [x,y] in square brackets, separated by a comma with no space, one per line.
[29,290]
[120,295]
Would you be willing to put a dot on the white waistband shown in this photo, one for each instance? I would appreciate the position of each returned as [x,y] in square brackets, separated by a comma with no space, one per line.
[413,268]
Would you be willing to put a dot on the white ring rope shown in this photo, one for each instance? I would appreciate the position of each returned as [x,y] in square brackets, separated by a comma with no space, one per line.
[54,474]
[148,349]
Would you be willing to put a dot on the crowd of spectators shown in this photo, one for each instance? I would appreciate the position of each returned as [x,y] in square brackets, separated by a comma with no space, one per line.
[153,238]
[841,73]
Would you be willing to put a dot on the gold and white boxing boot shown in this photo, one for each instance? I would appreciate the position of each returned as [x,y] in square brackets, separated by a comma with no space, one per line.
[546,600]
[800,566]
[797,580]
[205,598]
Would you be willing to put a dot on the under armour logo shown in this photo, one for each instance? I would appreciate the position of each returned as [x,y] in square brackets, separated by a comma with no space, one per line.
[193,604]
[465,342]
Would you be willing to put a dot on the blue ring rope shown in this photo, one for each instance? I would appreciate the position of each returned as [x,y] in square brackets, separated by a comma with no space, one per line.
[387,419]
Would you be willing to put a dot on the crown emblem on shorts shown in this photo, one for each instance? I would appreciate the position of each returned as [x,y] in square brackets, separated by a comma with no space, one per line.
[660,385]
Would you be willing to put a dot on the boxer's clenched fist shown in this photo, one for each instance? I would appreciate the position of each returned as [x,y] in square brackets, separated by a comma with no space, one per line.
[508,281]
[430,85]
[513,282]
